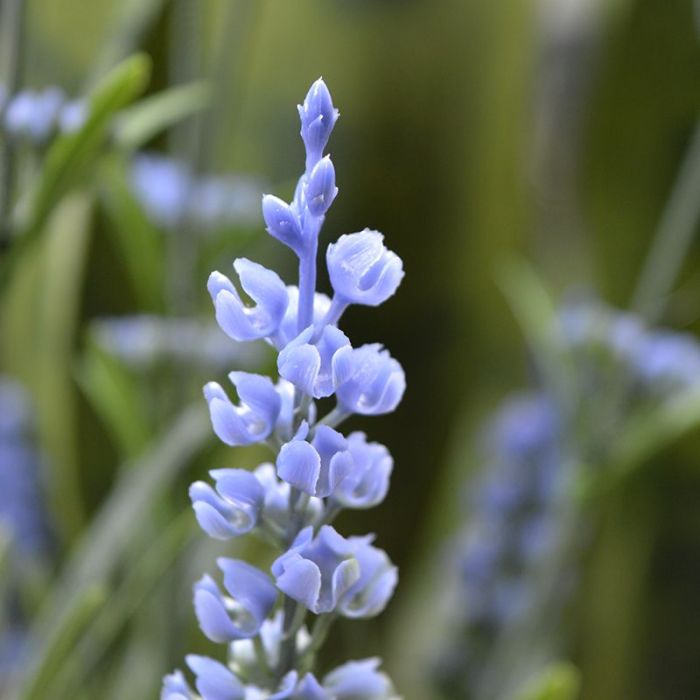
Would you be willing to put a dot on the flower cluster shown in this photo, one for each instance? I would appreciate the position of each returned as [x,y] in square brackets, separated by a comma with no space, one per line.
[655,363]
[171,195]
[22,515]
[316,472]
[35,116]
[536,448]
[511,529]
[24,527]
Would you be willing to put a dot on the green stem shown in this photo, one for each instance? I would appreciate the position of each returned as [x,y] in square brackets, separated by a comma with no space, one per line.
[261,655]
[673,236]
[294,614]
[320,631]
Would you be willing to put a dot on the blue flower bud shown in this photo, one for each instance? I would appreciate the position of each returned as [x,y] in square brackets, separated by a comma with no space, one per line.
[224,619]
[234,510]
[317,572]
[313,367]
[175,687]
[283,223]
[362,269]
[214,681]
[320,190]
[367,482]
[369,595]
[263,286]
[254,419]
[359,680]
[318,117]
[375,383]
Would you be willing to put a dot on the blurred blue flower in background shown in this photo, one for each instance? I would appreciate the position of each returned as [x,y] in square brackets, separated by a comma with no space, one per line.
[22,512]
[172,195]
[144,340]
[24,525]
[36,115]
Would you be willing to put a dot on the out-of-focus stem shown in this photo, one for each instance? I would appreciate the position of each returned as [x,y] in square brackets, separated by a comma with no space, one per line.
[13,39]
[184,60]
[673,236]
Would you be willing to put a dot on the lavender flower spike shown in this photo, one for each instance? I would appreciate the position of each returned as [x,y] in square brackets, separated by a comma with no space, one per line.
[315,471]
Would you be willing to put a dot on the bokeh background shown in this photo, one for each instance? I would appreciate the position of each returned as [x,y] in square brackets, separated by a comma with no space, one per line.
[475,135]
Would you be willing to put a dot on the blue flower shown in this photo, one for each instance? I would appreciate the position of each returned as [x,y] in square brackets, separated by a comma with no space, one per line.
[225,619]
[263,286]
[162,186]
[233,509]
[375,382]
[34,115]
[317,571]
[305,688]
[668,361]
[315,367]
[359,680]
[318,117]
[252,421]
[276,500]
[367,483]
[214,681]
[318,467]
[175,687]
[369,595]
[362,270]
[22,513]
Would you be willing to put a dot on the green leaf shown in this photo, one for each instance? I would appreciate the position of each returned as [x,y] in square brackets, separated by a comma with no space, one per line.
[132,21]
[71,155]
[651,430]
[64,252]
[142,577]
[115,526]
[60,643]
[560,681]
[140,244]
[114,395]
[139,124]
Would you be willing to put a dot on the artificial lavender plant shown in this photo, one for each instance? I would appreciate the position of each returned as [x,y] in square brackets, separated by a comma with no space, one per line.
[317,471]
